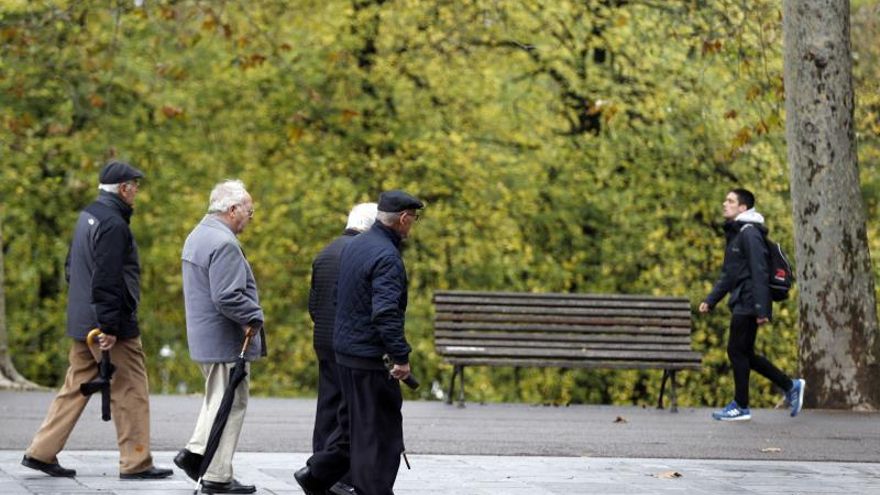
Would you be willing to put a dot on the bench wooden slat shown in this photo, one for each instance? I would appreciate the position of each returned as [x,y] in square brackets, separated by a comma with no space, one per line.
[563,302]
[584,320]
[683,338]
[549,327]
[554,310]
[685,346]
[557,295]
[579,353]
[573,363]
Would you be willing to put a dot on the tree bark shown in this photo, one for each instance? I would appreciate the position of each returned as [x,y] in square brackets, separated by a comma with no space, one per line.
[9,376]
[839,342]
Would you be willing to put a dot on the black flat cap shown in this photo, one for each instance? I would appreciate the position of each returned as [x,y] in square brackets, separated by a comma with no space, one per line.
[395,201]
[117,172]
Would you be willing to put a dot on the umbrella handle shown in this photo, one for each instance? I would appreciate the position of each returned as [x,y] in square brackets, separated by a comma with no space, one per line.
[95,333]
[248,333]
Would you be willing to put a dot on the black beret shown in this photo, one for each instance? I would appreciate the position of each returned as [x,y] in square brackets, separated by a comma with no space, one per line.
[118,172]
[395,201]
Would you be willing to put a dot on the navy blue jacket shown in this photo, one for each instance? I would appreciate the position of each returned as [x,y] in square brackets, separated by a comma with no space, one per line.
[744,273]
[103,271]
[322,293]
[371,298]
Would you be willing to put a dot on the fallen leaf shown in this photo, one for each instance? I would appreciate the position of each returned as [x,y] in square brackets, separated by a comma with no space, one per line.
[668,475]
[621,419]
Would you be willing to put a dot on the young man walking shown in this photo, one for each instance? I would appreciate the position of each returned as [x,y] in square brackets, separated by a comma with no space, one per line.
[745,276]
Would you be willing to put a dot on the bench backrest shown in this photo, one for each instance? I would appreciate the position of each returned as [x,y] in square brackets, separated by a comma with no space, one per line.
[564,330]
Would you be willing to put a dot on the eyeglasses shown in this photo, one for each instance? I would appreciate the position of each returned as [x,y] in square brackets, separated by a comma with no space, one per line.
[249,211]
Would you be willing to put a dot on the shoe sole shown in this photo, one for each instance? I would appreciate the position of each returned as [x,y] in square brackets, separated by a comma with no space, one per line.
[738,418]
[28,465]
[185,471]
[800,404]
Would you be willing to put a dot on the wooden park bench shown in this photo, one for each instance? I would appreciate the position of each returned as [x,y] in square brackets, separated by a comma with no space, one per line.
[564,331]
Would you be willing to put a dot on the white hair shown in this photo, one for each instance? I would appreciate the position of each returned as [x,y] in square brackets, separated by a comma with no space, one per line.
[227,194]
[110,188]
[362,216]
[388,218]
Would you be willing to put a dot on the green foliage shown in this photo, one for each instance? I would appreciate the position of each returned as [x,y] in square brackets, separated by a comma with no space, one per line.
[579,146]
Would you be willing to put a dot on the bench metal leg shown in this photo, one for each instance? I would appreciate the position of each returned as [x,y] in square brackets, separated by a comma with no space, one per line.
[662,389]
[455,370]
[673,396]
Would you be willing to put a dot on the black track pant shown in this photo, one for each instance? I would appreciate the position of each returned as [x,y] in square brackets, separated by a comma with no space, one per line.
[369,439]
[741,351]
[329,399]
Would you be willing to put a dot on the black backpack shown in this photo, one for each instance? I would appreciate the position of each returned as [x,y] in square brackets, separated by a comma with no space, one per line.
[781,276]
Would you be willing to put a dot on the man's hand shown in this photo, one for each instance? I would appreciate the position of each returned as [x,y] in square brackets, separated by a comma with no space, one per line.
[105,342]
[704,307]
[400,371]
[762,321]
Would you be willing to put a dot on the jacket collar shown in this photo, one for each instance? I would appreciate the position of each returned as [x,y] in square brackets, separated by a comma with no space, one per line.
[215,223]
[115,202]
[388,232]
[351,232]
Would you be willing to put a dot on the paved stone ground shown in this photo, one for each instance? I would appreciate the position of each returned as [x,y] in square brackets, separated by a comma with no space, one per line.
[491,449]
[479,475]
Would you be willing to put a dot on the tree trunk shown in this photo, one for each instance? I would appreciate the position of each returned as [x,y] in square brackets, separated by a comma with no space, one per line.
[9,376]
[839,341]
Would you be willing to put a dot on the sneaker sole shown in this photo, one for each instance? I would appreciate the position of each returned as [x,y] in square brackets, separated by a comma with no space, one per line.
[738,418]
[800,404]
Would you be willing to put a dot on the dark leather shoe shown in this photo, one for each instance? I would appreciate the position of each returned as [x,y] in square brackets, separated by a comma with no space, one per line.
[50,468]
[309,484]
[189,463]
[153,473]
[229,487]
[341,488]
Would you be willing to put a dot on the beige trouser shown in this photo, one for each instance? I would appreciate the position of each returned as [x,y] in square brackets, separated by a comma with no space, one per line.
[216,380]
[129,405]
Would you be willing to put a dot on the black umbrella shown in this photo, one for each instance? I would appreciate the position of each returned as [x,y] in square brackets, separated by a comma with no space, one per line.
[102,383]
[235,377]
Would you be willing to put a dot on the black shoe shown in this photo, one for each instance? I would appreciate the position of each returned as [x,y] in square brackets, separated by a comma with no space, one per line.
[229,487]
[309,484]
[189,463]
[50,468]
[341,488]
[153,473]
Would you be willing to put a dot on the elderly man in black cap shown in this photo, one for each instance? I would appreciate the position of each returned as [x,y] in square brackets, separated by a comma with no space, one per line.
[103,272]
[370,307]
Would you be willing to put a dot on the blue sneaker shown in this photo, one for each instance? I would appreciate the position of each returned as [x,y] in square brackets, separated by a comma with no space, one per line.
[732,412]
[796,396]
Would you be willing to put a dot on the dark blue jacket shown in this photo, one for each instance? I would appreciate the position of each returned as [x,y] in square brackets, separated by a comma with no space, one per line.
[744,273]
[103,271]
[371,298]
[322,293]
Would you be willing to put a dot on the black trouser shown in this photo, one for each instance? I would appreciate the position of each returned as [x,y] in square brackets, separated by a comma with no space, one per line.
[330,444]
[369,439]
[329,399]
[741,351]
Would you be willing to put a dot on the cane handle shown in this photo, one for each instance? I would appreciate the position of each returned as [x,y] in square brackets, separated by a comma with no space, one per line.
[95,333]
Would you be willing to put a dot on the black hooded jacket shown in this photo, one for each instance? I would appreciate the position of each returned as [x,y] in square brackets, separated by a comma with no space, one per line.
[744,273]
[322,293]
[103,271]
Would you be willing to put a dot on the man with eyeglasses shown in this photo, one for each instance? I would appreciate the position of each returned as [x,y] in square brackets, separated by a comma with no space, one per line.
[371,303]
[222,303]
[103,272]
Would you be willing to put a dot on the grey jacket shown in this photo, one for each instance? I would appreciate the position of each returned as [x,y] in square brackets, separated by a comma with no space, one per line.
[220,295]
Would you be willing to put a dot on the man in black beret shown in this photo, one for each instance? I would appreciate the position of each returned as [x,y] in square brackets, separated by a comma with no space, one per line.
[371,299]
[103,272]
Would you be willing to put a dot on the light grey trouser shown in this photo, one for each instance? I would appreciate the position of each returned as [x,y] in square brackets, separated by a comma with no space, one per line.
[216,380]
